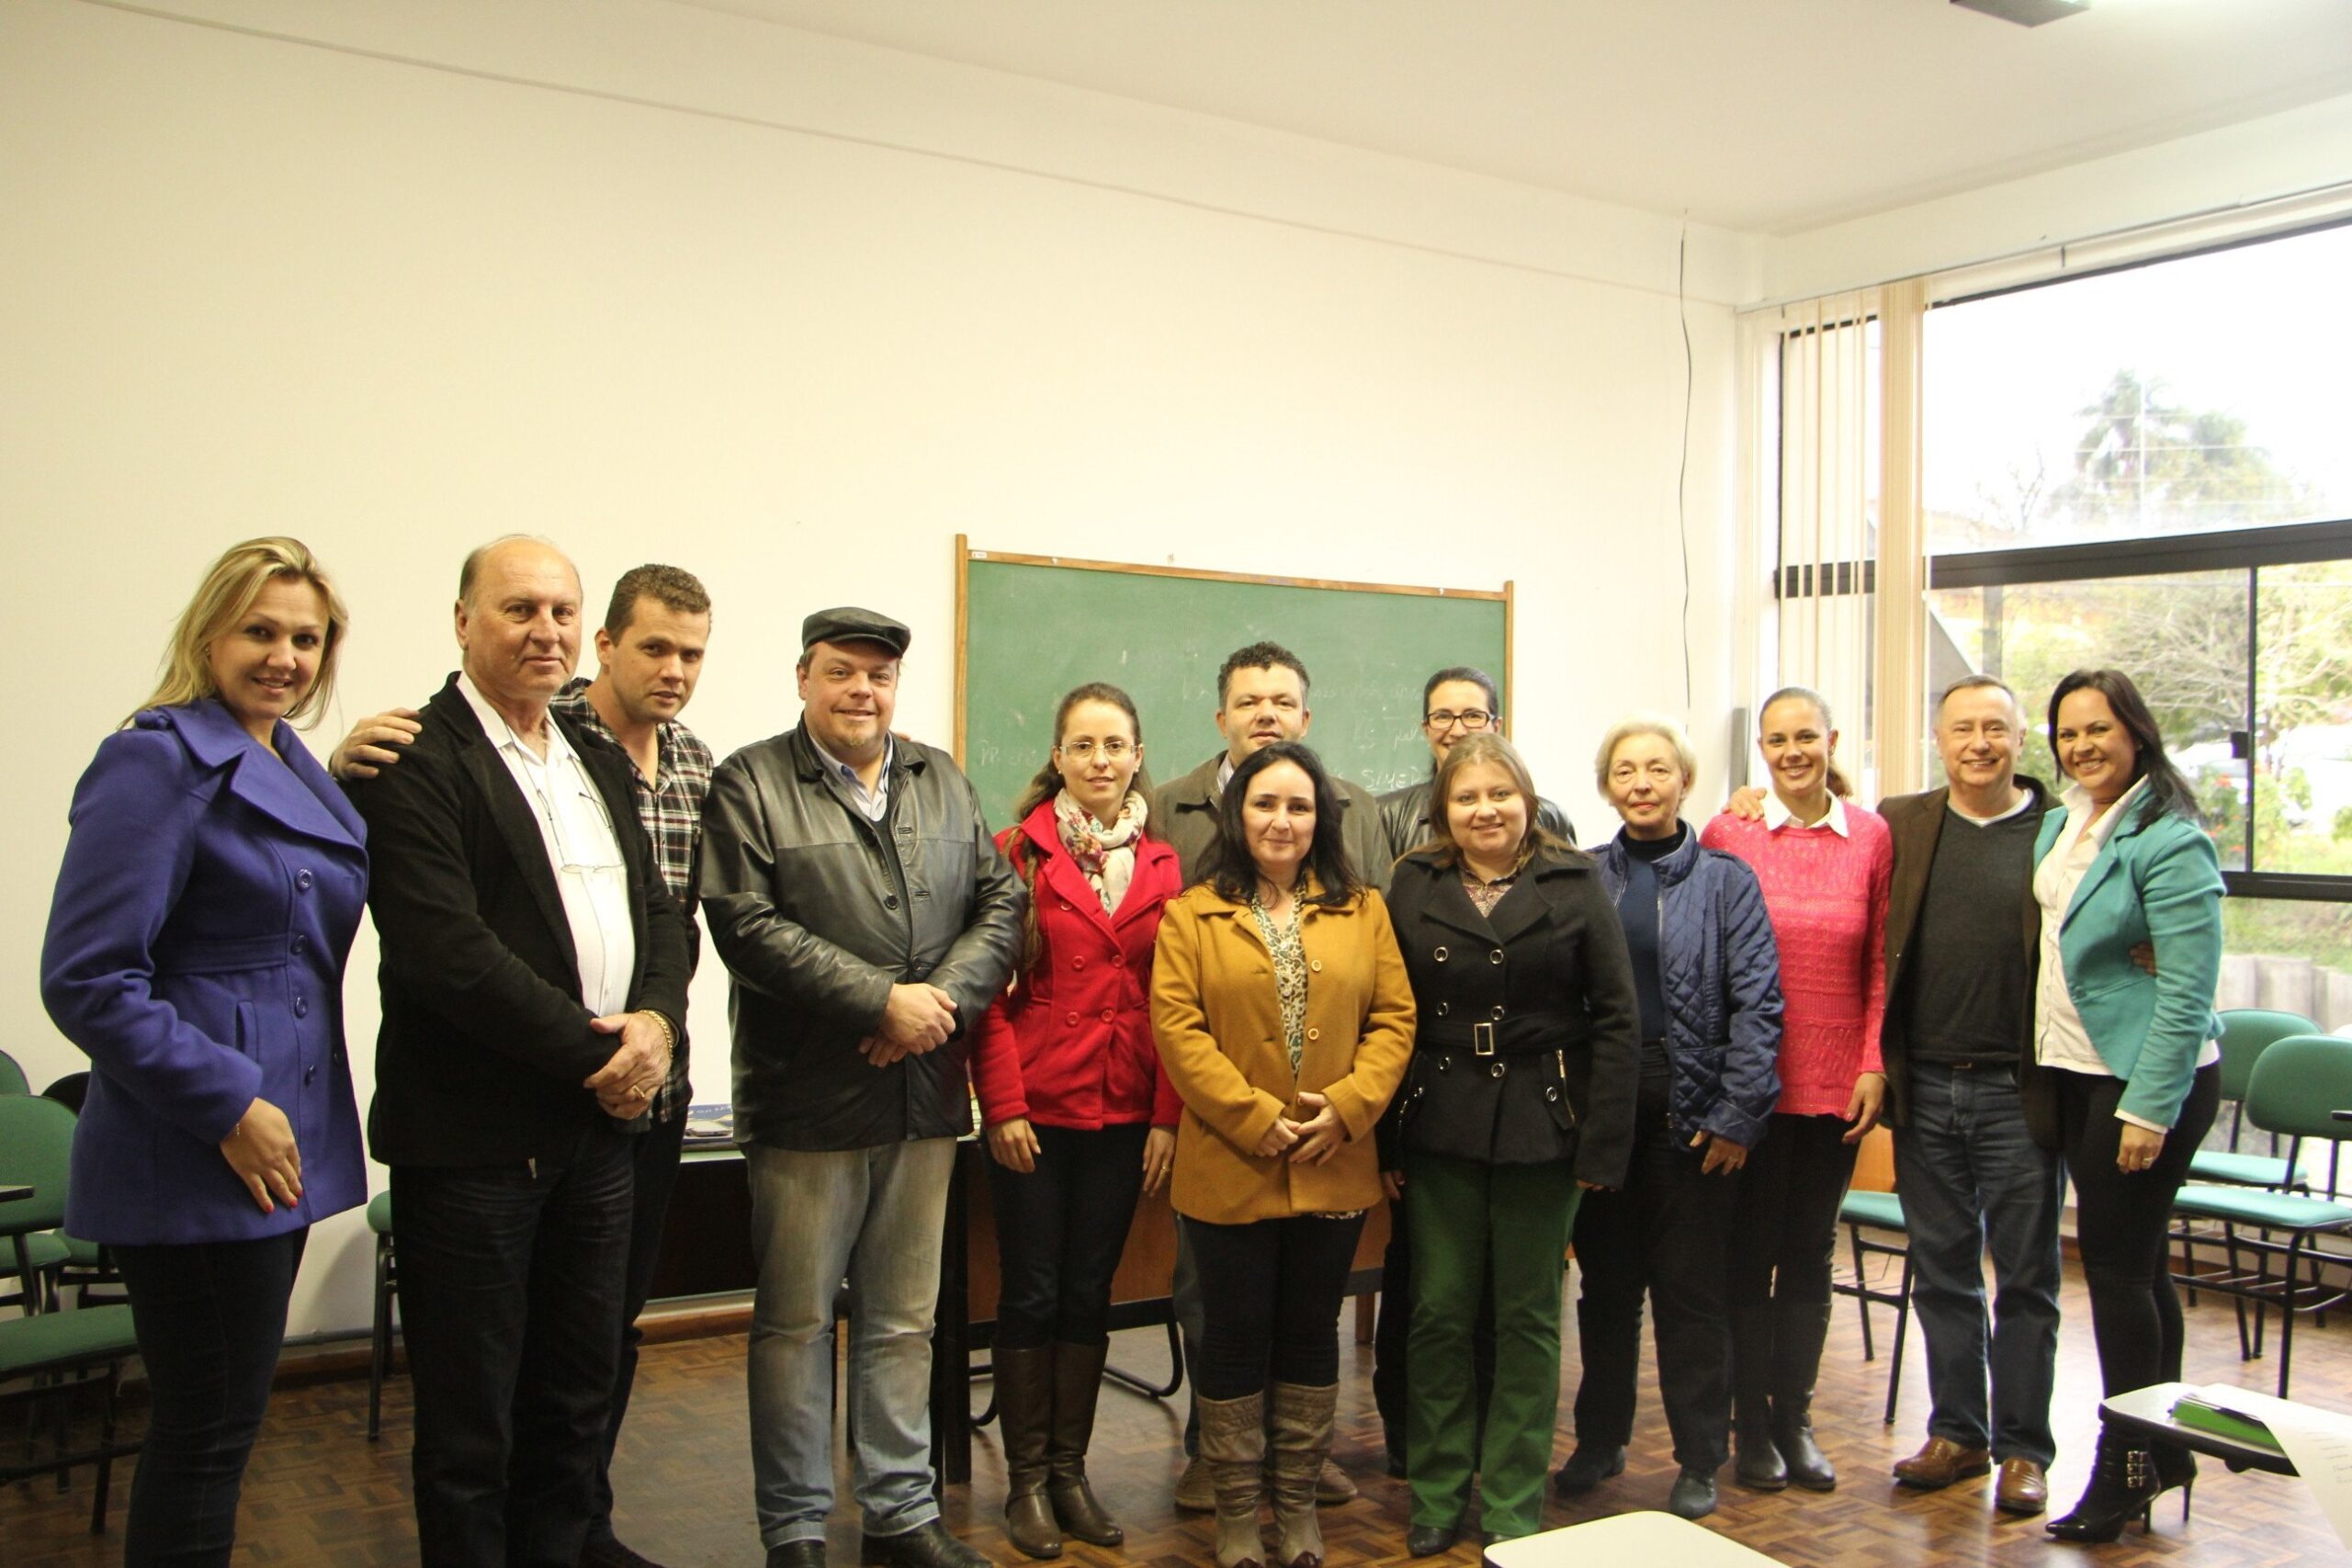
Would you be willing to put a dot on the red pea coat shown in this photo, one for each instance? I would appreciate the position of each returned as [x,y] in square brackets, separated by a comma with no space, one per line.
[1070,1044]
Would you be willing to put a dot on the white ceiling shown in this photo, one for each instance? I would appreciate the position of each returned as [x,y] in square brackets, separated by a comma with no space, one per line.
[1769,115]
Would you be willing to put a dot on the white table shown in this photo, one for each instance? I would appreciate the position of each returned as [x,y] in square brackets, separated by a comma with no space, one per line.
[1650,1538]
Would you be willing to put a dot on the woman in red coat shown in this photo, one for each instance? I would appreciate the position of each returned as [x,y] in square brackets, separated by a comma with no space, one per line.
[1080,1115]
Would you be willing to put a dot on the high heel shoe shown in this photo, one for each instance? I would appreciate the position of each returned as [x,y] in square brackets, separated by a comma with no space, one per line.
[2123,1487]
[2175,1466]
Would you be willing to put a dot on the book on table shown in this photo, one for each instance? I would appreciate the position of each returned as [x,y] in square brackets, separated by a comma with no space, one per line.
[2193,1410]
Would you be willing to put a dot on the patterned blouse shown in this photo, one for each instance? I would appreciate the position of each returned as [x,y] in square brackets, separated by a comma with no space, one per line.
[1290,974]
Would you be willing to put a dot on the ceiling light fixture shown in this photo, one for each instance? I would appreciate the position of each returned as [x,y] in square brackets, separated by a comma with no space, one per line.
[2026,13]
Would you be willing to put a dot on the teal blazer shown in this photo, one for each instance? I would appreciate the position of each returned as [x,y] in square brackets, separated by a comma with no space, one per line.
[2156,881]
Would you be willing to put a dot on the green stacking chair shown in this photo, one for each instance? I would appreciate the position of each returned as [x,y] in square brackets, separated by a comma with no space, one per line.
[12,1077]
[39,1349]
[2296,1085]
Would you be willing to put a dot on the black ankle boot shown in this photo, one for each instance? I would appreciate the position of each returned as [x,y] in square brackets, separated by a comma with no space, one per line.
[2123,1483]
[1757,1463]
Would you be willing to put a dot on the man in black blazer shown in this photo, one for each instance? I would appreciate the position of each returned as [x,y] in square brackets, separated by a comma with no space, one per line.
[534,987]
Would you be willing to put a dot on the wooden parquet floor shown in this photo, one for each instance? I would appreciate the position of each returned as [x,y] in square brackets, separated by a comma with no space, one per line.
[320,1493]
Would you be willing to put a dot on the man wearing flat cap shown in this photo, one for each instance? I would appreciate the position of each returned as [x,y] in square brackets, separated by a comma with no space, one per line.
[867,919]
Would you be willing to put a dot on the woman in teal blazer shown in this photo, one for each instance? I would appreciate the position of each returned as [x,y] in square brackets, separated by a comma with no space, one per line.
[2125,864]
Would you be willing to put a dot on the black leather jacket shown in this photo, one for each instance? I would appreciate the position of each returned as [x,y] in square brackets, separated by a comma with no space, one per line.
[1404,818]
[816,912]
[1528,1045]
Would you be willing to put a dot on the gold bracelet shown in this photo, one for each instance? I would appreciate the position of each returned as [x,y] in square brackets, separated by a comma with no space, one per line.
[669,1034]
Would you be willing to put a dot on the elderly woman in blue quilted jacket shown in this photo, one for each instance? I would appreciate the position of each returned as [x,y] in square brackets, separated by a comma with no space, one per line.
[1708,979]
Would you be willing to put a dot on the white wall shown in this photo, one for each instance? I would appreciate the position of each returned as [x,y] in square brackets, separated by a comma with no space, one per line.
[791,312]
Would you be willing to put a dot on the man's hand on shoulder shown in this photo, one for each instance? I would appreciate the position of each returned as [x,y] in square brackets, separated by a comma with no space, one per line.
[916,1018]
[374,743]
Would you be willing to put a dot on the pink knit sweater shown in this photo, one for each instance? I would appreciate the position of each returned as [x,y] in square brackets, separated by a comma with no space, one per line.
[1827,898]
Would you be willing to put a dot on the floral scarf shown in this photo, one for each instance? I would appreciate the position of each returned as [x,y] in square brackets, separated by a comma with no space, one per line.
[1106,856]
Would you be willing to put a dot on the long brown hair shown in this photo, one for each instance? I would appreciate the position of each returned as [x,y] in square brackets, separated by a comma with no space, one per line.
[1045,784]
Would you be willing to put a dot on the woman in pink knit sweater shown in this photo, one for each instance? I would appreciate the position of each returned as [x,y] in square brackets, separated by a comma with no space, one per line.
[1825,864]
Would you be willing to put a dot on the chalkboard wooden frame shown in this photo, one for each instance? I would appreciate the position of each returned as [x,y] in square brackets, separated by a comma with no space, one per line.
[966,556]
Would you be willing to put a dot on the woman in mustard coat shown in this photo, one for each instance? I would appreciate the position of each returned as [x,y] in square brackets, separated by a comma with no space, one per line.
[1284,1018]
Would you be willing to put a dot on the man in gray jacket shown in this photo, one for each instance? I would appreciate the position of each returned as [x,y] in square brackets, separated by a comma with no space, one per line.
[867,920]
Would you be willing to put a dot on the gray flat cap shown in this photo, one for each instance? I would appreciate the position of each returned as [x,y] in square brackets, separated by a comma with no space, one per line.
[850,624]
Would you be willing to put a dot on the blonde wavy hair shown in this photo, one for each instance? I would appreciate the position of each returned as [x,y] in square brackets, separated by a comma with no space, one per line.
[221,600]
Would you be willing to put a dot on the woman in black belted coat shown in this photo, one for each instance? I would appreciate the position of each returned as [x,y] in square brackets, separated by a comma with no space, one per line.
[1519,1095]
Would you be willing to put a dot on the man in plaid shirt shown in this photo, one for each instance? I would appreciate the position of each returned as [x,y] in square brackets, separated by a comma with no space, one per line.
[649,655]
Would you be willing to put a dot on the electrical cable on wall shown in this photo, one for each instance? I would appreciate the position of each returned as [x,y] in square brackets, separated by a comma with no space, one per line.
[1682,469]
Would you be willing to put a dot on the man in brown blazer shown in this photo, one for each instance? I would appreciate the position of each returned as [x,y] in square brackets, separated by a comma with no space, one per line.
[1975,1120]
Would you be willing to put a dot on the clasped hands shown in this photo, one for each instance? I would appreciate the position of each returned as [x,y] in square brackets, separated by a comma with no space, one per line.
[625,1085]
[918,1019]
[1310,1142]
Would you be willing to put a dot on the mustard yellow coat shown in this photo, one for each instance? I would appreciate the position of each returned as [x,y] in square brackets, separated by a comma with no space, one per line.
[1219,1026]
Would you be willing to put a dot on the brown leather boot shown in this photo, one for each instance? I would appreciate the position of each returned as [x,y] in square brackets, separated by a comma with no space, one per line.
[1232,1443]
[1301,1439]
[1078,1381]
[1024,1414]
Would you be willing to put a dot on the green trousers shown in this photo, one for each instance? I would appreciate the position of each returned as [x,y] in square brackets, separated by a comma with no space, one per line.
[1460,1215]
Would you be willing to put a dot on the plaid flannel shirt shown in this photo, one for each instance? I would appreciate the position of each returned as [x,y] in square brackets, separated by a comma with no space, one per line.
[671,808]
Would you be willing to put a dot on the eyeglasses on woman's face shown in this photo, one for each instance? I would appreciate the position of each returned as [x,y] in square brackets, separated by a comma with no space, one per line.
[1440,720]
[1113,749]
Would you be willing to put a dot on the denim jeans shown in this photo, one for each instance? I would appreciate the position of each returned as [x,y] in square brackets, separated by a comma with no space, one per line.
[1969,1173]
[1060,1231]
[654,1154]
[210,1318]
[874,1217]
[511,1284]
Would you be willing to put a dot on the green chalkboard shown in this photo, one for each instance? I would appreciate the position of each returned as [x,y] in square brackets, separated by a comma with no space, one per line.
[1031,628]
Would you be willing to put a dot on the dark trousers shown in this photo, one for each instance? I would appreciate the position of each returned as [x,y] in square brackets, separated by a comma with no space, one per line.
[1269,1295]
[1060,1231]
[1785,1234]
[1667,1231]
[1973,1178]
[2119,1224]
[210,1318]
[511,1283]
[1393,1328]
[654,1155]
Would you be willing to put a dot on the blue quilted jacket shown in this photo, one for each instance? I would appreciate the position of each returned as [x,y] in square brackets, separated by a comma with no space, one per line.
[1721,974]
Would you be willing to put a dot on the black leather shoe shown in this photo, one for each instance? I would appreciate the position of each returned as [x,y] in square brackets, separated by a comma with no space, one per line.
[1428,1540]
[610,1553]
[797,1555]
[927,1545]
[1586,1469]
[1693,1497]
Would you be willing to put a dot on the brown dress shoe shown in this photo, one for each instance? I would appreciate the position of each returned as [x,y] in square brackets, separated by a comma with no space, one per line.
[2021,1489]
[1940,1463]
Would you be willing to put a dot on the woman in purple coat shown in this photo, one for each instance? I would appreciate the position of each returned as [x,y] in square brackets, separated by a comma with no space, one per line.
[211,885]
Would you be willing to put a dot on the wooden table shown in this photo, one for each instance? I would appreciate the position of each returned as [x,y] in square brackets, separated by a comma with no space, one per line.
[707,1250]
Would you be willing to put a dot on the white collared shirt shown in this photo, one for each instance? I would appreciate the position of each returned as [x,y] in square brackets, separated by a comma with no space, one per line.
[1223,771]
[871,803]
[1777,816]
[2060,1039]
[582,850]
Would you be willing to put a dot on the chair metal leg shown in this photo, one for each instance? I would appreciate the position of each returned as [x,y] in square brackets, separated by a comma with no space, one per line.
[379,1344]
[1175,1369]
[105,1452]
[1902,1326]
[1861,1293]
[2287,1311]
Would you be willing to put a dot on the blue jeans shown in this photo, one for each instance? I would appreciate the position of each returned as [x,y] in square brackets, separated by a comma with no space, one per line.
[1969,1173]
[873,1216]
[511,1281]
[210,1318]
